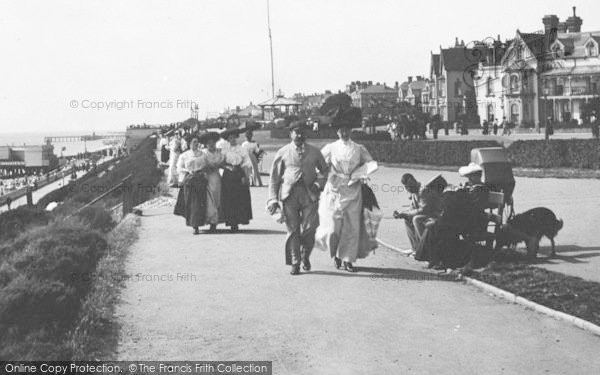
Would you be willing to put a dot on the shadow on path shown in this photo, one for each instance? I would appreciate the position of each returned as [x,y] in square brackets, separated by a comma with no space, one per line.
[387,274]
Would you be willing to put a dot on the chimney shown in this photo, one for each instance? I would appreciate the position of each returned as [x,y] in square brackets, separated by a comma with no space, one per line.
[550,22]
[462,43]
[396,86]
[574,23]
[456,42]
[370,83]
[562,27]
[409,79]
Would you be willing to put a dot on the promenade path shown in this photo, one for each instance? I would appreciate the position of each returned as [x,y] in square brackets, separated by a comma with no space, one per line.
[229,296]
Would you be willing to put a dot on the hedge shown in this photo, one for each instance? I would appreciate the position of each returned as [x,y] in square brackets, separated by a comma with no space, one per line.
[425,152]
[330,133]
[560,153]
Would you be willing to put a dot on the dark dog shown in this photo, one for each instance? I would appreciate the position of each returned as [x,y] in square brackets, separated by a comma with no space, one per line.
[529,226]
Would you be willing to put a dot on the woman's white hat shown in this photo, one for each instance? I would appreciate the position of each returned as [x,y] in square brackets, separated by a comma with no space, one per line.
[469,169]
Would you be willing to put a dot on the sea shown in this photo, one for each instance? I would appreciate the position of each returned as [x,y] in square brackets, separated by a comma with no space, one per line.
[37,139]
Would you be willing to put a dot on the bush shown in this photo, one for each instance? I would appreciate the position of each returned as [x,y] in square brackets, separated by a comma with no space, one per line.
[44,277]
[15,221]
[96,217]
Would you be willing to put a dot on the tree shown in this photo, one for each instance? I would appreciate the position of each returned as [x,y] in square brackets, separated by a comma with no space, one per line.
[334,102]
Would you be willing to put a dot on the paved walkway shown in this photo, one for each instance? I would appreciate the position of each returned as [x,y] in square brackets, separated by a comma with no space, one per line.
[229,296]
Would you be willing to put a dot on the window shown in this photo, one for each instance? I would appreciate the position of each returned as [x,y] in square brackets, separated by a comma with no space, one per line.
[591,49]
[514,113]
[457,88]
[490,86]
[557,49]
[490,112]
[514,83]
[519,52]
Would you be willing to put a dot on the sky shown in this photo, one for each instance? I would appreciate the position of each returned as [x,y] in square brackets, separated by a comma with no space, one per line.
[103,65]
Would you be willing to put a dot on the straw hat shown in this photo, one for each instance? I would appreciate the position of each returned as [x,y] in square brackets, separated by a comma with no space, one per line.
[469,169]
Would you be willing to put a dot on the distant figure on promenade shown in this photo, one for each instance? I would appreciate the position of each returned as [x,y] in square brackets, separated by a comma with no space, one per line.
[549,128]
[506,127]
[235,193]
[175,151]
[253,152]
[8,202]
[164,150]
[446,128]
[485,128]
[435,125]
[294,183]
[342,230]
[315,127]
[595,125]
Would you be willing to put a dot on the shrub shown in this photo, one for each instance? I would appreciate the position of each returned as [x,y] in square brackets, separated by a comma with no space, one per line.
[96,217]
[16,221]
[46,274]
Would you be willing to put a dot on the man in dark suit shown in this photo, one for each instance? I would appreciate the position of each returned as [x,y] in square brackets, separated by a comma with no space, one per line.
[295,183]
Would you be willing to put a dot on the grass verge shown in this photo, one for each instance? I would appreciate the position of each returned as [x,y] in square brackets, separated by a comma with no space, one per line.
[568,294]
[95,334]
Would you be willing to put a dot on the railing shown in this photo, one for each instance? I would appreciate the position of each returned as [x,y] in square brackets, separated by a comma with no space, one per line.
[127,202]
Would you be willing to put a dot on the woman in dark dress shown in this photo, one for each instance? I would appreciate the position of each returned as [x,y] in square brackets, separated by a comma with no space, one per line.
[191,200]
[235,191]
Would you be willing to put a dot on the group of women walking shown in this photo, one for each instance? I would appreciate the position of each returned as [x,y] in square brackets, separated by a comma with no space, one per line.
[325,210]
[214,182]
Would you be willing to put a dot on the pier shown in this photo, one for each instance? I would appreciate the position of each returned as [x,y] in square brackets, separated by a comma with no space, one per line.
[82,138]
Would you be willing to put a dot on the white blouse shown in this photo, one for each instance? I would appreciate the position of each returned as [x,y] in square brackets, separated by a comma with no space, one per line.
[189,162]
[250,146]
[237,155]
[223,145]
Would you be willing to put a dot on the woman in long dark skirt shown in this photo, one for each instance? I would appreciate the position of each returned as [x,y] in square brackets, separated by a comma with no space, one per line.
[191,200]
[235,191]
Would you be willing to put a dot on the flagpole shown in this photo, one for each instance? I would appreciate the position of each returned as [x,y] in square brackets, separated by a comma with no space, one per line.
[271,46]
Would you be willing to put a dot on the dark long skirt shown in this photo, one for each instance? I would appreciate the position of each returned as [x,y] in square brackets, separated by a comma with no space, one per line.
[235,198]
[191,200]
[164,154]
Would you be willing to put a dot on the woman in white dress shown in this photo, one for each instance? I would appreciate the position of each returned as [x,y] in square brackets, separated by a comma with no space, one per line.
[341,228]
[253,150]
[215,160]
[235,193]
[175,151]
[192,197]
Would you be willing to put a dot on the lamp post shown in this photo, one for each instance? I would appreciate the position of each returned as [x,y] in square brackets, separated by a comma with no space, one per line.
[548,131]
